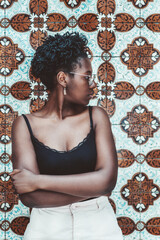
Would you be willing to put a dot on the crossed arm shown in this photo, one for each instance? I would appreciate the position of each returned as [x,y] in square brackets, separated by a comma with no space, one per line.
[38,190]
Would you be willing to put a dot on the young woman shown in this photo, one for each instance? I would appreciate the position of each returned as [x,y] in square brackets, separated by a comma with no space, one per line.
[64,156]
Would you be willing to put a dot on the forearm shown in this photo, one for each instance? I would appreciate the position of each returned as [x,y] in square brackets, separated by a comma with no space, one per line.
[43,198]
[90,184]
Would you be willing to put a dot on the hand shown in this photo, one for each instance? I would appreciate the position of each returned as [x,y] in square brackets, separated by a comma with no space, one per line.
[24,180]
[108,194]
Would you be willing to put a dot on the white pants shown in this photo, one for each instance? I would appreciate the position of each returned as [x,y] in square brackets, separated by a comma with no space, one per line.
[88,220]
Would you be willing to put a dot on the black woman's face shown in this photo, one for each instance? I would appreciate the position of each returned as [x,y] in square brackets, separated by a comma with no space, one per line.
[78,89]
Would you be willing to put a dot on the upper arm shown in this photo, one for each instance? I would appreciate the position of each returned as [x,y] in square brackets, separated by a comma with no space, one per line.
[23,154]
[106,150]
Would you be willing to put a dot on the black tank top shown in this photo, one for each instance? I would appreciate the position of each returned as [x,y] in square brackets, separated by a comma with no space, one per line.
[80,159]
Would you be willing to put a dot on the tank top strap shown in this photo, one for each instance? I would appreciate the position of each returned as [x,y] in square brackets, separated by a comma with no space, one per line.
[28,124]
[90,114]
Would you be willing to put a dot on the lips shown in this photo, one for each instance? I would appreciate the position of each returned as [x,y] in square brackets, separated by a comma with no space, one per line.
[90,94]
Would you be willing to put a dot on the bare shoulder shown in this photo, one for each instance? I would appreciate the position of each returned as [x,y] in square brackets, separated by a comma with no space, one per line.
[100,116]
[21,121]
[23,153]
[18,122]
[19,127]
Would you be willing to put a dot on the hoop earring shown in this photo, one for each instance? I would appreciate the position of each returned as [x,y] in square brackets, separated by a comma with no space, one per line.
[64,91]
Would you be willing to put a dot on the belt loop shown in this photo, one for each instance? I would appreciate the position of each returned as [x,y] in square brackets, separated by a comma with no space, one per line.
[70,208]
[97,203]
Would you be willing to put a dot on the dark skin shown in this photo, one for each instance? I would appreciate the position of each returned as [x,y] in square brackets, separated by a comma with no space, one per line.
[53,125]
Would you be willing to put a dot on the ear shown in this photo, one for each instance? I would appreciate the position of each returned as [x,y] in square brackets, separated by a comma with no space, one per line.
[61,78]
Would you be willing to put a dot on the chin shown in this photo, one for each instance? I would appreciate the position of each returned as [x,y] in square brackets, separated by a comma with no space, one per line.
[87,102]
[84,103]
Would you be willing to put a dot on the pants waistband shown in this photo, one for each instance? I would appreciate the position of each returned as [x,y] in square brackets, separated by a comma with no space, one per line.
[90,202]
[94,203]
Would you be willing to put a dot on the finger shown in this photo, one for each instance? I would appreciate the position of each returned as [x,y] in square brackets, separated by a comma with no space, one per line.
[15,171]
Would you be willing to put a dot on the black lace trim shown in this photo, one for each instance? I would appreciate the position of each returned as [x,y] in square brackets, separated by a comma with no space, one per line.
[73,149]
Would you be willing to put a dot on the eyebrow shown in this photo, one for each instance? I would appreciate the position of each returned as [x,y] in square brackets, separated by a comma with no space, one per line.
[88,72]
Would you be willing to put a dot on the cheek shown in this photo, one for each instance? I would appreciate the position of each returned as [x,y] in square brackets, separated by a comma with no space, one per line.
[77,88]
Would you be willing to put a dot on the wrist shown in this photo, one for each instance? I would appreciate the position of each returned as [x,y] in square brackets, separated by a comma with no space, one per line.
[37,181]
[45,182]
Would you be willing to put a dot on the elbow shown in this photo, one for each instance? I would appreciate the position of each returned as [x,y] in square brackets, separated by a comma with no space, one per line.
[108,189]
[108,185]
[27,200]
[107,178]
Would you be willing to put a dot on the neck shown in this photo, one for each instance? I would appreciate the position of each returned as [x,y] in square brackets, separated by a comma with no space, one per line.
[59,107]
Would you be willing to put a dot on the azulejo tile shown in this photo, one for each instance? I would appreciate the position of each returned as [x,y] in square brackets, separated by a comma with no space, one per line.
[134,236]
[151,217]
[20,74]
[127,105]
[151,144]
[146,56]
[126,157]
[140,192]
[152,8]
[123,40]
[60,7]
[18,107]
[133,223]
[123,209]
[122,141]
[8,164]
[127,7]
[8,197]
[18,7]
[37,21]
[112,94]
[120,36]
[153,90]
[3,226]
[152,172]
[126,220]
[12,236]
[87,6]
[4,5]
[28,90]
[4,90]
[152,222]
[22,39]
[147,236]
[151,103]
[18,210]
[148,158]
[5,159]
[7,117]
[140,124]
[11,56]
[15,7]
[123,73]
[152,22]
[2,165]
[4,23]
[151,35]
[126,173]
[140,4]
[18,216]
[93,42]
[151,77]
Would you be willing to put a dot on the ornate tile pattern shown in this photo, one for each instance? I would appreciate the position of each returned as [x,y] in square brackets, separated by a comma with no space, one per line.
[124,49]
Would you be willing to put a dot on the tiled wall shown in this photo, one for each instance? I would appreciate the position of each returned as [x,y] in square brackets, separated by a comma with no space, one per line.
[124,40]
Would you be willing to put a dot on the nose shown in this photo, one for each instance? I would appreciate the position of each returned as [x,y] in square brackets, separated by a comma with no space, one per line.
[93,85]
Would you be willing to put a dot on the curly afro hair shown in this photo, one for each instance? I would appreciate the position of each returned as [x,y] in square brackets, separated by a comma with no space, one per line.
[58,53]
